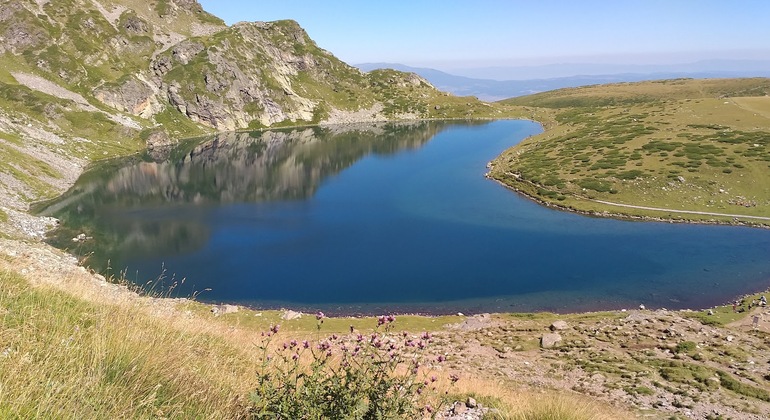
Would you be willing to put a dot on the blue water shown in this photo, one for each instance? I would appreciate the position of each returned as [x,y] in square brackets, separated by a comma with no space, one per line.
[407,229]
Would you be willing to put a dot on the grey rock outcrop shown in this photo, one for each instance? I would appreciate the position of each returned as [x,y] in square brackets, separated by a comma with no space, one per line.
[548,341]
[132,96]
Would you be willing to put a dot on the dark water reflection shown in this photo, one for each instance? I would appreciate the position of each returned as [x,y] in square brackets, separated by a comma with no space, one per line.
[371,219]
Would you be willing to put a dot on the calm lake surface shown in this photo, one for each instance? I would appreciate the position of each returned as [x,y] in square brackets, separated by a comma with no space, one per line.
[385,218]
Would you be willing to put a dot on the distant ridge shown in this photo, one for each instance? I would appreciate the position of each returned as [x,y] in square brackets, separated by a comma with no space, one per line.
[489,89]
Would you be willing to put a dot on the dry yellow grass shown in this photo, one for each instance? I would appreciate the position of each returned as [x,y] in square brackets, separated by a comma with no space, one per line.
[72,346]
[66,357]
[513,403]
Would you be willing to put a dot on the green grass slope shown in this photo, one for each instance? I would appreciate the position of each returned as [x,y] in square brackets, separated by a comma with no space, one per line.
[681,145]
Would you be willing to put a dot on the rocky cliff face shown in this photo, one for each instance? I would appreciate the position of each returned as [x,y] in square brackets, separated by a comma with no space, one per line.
[171,56]
[87,79]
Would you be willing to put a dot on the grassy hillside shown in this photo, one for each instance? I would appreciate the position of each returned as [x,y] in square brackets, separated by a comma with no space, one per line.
[124,357]
[72,346]
[686,145]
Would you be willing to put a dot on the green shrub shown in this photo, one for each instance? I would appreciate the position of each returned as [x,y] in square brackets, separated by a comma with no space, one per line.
[595,184]
[685,347]
[632,174]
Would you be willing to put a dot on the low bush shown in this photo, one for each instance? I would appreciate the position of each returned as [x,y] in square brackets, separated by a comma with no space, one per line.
[373,376]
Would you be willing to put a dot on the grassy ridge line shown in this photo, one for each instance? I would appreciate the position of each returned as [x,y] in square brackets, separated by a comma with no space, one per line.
[683,145]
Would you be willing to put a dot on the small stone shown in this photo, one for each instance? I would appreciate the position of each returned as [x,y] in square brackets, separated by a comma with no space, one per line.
[642,307]
[729,338]
[459,408]
[711,312]
[460,314]
[471,403]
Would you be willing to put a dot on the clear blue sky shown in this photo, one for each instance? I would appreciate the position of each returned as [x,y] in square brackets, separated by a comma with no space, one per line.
[458,33]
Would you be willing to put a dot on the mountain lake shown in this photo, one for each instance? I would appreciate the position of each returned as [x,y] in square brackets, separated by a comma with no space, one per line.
[383,218]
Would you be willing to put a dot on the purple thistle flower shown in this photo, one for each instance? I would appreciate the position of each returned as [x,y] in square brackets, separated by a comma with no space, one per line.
[305,344]
[285,345]
[295,357]
[320,315]
[293,343]
[433,378]
[440,358]
[335,336]
[274,328]
[360,338]
[454,378]
[428,408]
[425,336]
[390,318]
[380,320]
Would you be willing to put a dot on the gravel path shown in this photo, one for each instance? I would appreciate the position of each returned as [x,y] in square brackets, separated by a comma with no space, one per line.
[704,213]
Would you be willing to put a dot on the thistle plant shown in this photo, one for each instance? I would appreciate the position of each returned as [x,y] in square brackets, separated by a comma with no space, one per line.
[375,375]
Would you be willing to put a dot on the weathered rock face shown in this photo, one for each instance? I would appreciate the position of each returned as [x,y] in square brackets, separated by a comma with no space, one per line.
[174,57]
[132,96]
[17,35]
[244,77]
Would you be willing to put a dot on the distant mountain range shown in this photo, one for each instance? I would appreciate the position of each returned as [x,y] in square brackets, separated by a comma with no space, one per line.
[490,89]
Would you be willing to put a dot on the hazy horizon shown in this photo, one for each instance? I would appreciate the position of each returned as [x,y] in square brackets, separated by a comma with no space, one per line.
[454,36]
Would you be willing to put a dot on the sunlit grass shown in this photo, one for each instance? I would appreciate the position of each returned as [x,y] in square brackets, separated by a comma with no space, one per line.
[65,357]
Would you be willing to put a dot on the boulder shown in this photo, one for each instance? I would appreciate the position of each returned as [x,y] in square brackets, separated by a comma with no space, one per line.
[548,341]
[559,325]
[289,315]
[223,309]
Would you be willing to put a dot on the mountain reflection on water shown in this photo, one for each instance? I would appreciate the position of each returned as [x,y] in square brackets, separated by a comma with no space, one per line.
[237,167]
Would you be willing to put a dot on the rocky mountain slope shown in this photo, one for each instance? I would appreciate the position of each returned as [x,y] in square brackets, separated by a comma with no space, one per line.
[88,79]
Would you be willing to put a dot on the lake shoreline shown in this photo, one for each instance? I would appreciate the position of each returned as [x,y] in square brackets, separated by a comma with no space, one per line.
[626,216]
